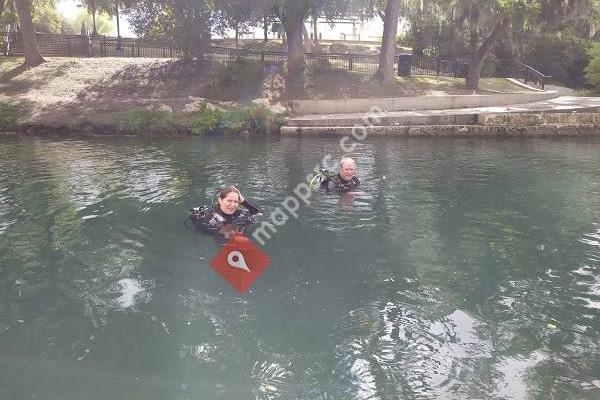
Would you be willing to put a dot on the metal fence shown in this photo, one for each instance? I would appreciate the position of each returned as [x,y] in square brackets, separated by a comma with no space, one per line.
[107,46]
[90,46]
[439,67]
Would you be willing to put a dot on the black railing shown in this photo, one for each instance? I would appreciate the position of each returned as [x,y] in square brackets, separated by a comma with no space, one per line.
[511,68]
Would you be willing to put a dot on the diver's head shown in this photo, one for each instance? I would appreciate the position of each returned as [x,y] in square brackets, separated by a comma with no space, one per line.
[347,168]
[229,199]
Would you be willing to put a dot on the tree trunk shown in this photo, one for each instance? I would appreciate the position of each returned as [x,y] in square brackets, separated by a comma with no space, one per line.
[266,29]
[31,49]
[293,21]
[479,55]
[118,27]
[94,31]
[315,30]
[306,39]
[451,38]
[237,36]
[388,45]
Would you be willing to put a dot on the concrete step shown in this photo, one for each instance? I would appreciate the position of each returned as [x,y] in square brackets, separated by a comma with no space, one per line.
[382,119]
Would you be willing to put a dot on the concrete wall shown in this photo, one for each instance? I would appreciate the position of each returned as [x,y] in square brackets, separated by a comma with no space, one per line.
[300,107]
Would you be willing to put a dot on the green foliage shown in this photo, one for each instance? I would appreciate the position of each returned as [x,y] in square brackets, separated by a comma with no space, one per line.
[11,112]
[46,18]
[254,119]
[144,121]
[562,56]
[204,121]
[104,24]
[592,71]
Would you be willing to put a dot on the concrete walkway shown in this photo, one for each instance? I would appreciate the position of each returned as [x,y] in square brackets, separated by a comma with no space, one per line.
[462,116]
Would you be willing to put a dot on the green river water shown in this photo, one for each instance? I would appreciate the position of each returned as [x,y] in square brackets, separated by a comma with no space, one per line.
[465,269]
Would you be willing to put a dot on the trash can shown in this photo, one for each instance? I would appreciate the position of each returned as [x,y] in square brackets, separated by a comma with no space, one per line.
[404,64]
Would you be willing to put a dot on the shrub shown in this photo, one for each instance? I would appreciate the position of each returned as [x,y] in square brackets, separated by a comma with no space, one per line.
[143,121]
[254,118]
[237,80]
[258,119]
[562,56]
[592,71]
[204,121]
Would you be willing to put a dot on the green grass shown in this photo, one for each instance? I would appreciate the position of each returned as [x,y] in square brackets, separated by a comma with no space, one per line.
[499,85]
[586,93]
[486,84]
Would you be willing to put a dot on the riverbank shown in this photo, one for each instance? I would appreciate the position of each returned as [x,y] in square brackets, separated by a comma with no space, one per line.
[167,97]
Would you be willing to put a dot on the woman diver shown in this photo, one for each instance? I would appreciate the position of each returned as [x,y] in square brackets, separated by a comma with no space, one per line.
[230,215]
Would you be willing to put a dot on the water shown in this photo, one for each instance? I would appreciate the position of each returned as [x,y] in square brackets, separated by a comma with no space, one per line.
[468,269]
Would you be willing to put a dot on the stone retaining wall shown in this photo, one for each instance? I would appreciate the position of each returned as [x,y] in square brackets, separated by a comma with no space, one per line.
[450,130]
[533,119]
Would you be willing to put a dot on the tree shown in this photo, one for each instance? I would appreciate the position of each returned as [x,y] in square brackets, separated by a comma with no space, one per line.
[45,17]
[2,5]
[97,6]
[292,14]
[31,49]
[495,14]
[388,46]
[103,22]
[186,23]
[239,15]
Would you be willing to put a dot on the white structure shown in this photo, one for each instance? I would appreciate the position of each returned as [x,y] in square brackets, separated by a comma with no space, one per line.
[341,29]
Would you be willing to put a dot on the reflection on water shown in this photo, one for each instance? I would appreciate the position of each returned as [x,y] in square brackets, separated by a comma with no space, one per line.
[462,269]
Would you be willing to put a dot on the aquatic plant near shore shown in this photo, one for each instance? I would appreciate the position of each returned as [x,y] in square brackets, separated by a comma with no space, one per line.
[144,121]
[11,112]
[254,119]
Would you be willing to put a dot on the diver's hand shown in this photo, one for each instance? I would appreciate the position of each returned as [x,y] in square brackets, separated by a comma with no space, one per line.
[240,194]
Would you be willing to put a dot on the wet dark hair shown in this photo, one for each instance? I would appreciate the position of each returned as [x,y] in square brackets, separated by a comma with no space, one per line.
[226,190]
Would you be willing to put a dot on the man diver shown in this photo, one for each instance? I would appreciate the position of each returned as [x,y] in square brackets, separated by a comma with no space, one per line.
[345,180]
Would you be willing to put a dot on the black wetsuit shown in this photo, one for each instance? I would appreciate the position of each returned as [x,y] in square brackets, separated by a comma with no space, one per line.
[335,182]
[212,218]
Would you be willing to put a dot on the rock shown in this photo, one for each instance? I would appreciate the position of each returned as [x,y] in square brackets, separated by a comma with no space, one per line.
[262,101]
[164,108]
[278,108]
[199,105]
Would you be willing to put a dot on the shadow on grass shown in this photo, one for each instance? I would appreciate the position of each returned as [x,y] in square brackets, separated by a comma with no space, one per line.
[18,70]
[22,78]
[158,80]
[178,79]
